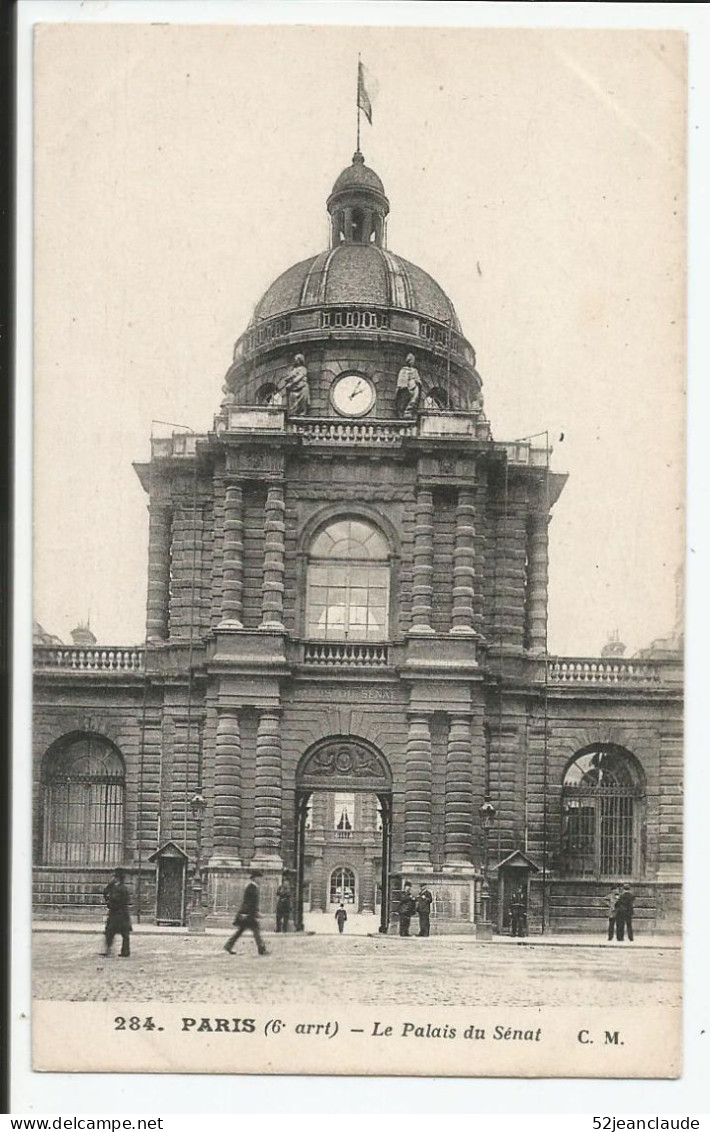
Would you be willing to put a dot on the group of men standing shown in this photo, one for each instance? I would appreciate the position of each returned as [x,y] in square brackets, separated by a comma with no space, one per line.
[410,905]
[620,910]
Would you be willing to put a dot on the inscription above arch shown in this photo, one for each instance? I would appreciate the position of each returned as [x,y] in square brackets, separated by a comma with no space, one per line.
[344,762]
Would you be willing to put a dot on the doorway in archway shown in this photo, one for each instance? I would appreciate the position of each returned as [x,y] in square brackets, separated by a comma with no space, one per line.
[343,830]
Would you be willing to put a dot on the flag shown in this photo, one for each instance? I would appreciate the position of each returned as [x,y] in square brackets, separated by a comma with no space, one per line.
[366,91]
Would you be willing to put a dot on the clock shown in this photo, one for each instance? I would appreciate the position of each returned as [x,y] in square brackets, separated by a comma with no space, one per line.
[352,395]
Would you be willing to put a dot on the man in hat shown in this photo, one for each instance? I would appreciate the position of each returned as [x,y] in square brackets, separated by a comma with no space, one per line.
[611,902]
[407,907]
[424,903]
[283,906]
[247,918]
[624,914]
[118,922]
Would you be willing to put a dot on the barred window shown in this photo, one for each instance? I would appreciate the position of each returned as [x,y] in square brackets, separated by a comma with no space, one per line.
[348,583]
[83,788]
[602,813]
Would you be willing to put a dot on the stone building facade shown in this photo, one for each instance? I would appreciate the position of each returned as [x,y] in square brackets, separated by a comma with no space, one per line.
[347,613]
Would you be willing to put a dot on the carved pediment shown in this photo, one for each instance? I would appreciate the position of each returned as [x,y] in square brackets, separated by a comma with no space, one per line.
[343,762]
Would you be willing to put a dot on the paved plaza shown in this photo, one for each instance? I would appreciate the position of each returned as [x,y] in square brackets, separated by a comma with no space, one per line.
[458,971]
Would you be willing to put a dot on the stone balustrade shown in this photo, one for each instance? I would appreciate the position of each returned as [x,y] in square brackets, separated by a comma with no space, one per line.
[107,658]
[328,430]
[345,654]
[582,670]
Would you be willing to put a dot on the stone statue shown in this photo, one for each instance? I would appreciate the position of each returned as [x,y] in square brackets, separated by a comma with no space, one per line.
[296,386]
[409,389]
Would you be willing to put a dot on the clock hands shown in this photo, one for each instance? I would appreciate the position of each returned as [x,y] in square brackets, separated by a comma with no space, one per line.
[356,390]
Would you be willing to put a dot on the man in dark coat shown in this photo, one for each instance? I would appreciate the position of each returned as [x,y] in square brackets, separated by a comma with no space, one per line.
[407,908]
[624,914]
[424,903]
[283,906]
[611,902]
[341,916]
[247,918]
[118,922]
[517,913]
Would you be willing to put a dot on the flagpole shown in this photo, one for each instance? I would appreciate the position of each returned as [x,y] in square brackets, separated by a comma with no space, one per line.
[357,103]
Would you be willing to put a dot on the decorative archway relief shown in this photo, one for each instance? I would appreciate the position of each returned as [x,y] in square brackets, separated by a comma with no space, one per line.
[344,763]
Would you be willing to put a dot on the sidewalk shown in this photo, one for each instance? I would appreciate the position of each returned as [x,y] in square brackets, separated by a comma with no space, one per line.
[652,942]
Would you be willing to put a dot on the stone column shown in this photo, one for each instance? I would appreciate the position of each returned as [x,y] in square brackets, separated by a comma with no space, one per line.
[510,586]
[536,611]
[423,566]
[417,798]
[267,791]
[462,612]
[233,558]
[272,602]
[158,607]
[227,789]
[367,886]
[458,805]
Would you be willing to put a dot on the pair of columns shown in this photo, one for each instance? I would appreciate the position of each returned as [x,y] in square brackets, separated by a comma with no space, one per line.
[462,616]
[272,587]
[272,591]
[459,796]
[521,541]
[268,788]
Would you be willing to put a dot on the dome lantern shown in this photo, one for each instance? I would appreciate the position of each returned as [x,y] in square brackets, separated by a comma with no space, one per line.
[358,206]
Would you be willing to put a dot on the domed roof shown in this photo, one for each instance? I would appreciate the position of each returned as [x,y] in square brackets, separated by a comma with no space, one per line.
[365,274]
[358,176]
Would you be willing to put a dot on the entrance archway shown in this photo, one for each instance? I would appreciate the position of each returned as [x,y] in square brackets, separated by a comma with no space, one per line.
[343,764]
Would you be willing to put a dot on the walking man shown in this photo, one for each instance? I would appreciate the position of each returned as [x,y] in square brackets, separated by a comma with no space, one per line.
[341,916]
[424,903]
[611,901]
[624,914]
[283,906]
[407,907]
[247,918]
[118,922]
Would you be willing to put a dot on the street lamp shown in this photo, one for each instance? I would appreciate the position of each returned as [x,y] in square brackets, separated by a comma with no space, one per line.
[196,917]
[484,927]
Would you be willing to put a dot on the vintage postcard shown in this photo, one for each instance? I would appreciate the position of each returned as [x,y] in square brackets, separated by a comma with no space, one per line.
[359,368]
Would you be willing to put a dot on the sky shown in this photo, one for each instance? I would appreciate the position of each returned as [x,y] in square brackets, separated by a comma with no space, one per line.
[537,175]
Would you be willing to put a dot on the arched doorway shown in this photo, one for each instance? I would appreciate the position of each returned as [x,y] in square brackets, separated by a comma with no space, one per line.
[344,765]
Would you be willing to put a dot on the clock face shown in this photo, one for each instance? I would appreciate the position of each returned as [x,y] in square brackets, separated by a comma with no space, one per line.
[352,395]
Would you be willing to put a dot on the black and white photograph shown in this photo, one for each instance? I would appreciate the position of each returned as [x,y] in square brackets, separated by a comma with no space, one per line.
[358,552]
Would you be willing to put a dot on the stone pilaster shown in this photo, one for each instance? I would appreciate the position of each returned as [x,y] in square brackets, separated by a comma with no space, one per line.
[227,789]
[272,603]
[462,613]
[417,798]
[423,565]
[458,808]
[536,612]
[367,887]
[233,558]
[158,606]
[510,587]
[268,788]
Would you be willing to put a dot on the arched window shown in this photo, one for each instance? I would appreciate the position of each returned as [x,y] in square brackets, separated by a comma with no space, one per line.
[344,815]
[348,583]
[270,396]
[602,813]
[342,886]
[83,787]
[436,398]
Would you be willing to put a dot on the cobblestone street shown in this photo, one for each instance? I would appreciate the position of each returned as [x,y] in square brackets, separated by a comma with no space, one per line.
[358,969]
